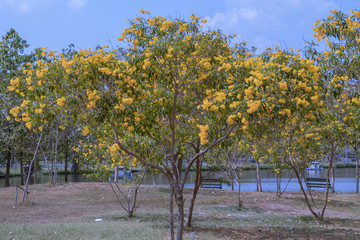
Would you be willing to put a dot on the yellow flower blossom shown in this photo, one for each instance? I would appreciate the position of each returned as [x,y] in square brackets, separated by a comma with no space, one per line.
[127,100]
[28,125]
[105,70]
[203,134]
[230,119]
[61,101]
[86,130]
[253,105]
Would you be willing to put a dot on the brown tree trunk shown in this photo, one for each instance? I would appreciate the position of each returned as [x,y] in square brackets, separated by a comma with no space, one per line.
[35,170]
[21,168]
[333,176]
[180,204]
[171,220]
[197,183]
[258,177]
[116,176]
[7,173]
[239,196]
[357,174]
[28,175]
[66,159]
[357,167]
[56,155]
[153,179]
[278,184]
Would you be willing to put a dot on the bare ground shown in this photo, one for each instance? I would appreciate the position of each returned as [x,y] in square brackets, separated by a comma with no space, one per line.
[216,215]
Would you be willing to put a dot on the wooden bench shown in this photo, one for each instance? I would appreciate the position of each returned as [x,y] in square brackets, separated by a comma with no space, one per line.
[317,183]
[211,183]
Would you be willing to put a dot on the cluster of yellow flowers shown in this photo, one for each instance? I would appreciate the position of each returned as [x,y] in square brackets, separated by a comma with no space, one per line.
[86,130]
[300,101]
[165,25]
[203,133]
[253,105]
[28,125]
[15,111]
[14,84]
[285,111]
[206,104]
[61,101]
[114,150]
[106,70]
[230,119]
[220,96]
[147,63]
[283,86]
[127,100]
[92,95]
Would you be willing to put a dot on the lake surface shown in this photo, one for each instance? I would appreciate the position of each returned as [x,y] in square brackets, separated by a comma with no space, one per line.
[344,180]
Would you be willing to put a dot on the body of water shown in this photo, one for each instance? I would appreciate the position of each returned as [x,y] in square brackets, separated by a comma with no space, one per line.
[345,180]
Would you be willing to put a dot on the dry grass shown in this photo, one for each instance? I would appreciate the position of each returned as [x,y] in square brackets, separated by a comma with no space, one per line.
[68,212]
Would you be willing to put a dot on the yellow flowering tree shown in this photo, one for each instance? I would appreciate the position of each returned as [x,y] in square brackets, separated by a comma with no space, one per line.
[42,106]
[285,101]
[341,34]
[167,98]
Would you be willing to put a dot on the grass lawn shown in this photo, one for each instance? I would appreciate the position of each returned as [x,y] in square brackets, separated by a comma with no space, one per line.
[69,211]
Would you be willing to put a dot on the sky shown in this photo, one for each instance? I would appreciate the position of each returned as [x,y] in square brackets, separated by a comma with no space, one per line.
[88,23]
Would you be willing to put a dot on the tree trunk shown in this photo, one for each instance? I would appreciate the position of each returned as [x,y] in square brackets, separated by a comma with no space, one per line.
[75,167]
[7,173]
[357,174]
[35,170]
[258,177]
[28,176]
[357,168]
[153,179]
[171,205]
[278,184]
[56,155]
[21,168]
[333,177]
[239,199]
[197,183]
[116,177]
[66,159]
[180,205]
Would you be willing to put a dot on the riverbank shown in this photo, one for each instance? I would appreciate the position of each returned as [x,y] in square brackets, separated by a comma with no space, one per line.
[15,172]
[69,211]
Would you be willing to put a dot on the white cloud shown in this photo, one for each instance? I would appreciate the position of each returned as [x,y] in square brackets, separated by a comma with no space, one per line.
[270,22]
[25,6]
[77,4]
[248,13]
[232,17]
[239,11]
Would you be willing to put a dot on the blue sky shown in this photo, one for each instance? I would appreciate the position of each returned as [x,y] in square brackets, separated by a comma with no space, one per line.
[86,23]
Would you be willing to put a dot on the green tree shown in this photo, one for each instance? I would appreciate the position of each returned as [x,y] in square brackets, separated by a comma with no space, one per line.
[13,135]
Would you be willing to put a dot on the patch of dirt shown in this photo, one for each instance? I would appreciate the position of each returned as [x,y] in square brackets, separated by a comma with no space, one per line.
[216,212]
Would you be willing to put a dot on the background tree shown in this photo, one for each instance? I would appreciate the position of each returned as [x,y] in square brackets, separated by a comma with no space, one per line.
[13,135]
[341,34]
